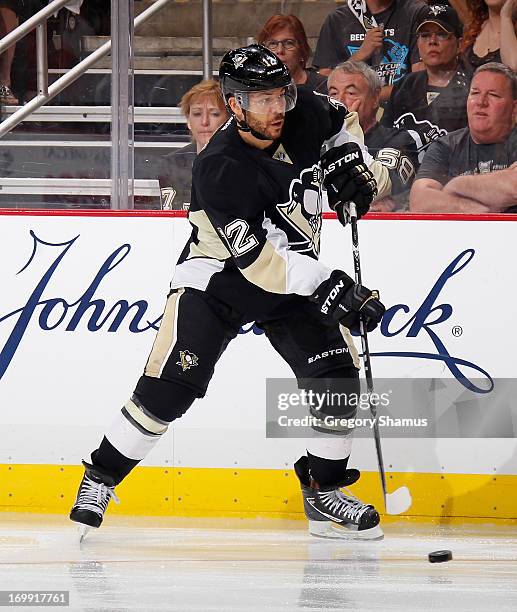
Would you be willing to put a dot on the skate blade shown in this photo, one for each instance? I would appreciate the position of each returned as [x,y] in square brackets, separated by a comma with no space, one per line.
[329,530]
[83,532]
[399,501]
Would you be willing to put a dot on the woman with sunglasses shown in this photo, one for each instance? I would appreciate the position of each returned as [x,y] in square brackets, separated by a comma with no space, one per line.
[432,102]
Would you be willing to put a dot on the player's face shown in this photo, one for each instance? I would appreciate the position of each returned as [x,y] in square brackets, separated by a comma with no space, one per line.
[353,91]
[437,48]
[491,109]
[266,113]
[204,117]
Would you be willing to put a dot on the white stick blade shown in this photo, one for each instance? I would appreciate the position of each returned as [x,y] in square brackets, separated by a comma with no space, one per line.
[399,501]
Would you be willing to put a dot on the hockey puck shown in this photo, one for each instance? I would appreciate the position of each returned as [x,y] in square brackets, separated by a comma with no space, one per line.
[440,556]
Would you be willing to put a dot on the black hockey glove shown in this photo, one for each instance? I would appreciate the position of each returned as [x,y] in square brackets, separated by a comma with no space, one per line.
[339,297]
[347,178]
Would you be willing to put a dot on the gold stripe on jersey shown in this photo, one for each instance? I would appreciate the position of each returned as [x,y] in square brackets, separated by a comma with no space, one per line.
[165,338]
[209,242]
[353,127]
[347,337]
[382,177]
[268,271]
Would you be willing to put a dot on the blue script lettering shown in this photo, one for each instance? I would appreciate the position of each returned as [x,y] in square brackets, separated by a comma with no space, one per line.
[426,319]
[54,310]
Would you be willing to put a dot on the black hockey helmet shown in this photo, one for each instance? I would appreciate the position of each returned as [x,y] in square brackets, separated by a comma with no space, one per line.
[254,68]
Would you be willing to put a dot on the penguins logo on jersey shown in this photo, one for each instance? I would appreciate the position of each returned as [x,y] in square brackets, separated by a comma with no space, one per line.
[187,360]
[423,132]
[302,213]
[429,131]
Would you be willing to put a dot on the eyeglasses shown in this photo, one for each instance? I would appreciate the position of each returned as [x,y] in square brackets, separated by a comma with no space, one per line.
[441,36]
[288,44]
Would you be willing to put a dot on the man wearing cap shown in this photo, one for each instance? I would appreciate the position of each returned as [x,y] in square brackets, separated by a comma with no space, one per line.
[432,102]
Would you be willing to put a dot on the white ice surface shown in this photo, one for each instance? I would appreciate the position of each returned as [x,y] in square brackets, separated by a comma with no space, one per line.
[235,565]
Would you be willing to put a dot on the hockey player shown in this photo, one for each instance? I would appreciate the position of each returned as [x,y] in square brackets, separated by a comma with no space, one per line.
[252,256]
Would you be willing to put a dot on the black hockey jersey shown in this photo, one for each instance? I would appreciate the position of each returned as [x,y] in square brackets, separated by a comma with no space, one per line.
[256,214]
[428,112]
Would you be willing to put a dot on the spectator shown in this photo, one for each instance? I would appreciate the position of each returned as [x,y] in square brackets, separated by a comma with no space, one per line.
[508,35]
[490,34]
[205,110]
[24,71]
[432,102]
[71,26]
[473,170]
[378,32]
[358,87]
[9,20]
[286,37]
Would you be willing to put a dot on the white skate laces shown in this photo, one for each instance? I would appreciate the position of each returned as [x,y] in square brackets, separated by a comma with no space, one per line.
[341,506]
[333,513]
[95,496]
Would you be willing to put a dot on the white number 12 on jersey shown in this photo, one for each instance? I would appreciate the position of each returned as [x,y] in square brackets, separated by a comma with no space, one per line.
[240,241]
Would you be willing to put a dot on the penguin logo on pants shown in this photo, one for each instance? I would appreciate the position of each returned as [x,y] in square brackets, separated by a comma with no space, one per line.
[187,360]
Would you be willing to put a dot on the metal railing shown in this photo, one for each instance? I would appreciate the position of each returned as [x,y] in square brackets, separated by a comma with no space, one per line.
[123,113]
[46,92]
[72,186]
[208,51]
[100,114]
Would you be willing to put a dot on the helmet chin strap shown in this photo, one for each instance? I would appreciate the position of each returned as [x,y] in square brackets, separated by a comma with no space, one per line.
[244,127]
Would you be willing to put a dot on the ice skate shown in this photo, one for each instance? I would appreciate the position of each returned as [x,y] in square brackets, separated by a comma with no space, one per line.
[95,491]
[334,514]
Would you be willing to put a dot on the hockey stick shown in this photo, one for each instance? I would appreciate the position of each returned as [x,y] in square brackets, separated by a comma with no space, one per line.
[400,500]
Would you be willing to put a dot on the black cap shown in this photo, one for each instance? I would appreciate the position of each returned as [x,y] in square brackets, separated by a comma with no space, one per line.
[443,16]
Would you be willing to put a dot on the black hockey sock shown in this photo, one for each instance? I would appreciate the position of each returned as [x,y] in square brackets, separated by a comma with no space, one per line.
[108,458]
[327,472]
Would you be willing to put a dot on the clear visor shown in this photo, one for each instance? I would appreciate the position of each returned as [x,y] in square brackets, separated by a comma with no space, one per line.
[280,100]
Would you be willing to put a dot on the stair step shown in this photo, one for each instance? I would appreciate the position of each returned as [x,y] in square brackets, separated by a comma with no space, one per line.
[63,171]
[232,17]
[170,52]
[153,89]
[187,63]
[168,45]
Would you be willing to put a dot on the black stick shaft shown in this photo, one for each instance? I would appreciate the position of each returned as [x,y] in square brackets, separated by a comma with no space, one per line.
[366,351]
